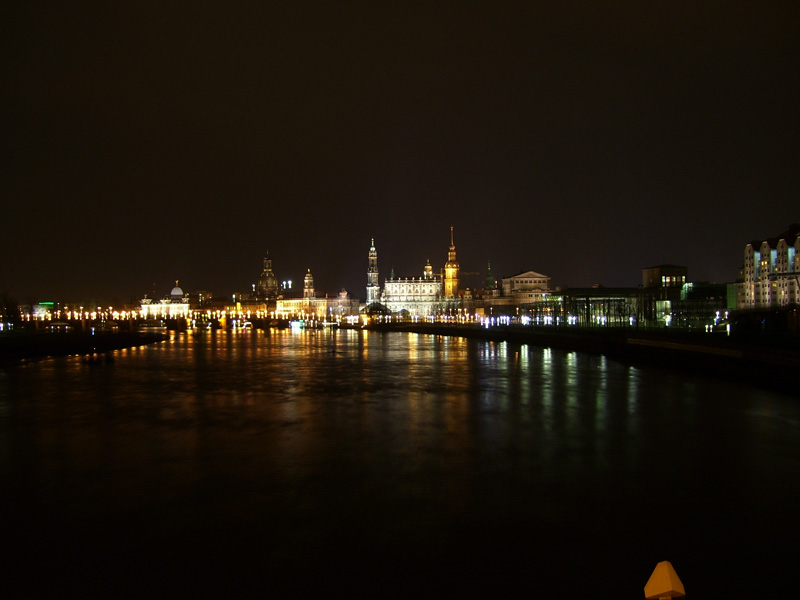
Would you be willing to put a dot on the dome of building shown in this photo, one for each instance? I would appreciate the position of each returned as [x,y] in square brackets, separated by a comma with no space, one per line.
[176,291]
[267,283]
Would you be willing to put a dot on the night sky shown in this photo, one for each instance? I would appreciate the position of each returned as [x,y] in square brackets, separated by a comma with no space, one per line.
[145,143]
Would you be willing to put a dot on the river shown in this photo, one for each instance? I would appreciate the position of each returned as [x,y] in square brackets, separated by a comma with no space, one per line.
[288,463]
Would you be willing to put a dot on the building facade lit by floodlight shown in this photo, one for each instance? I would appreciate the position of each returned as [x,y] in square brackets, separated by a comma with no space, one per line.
[423,296]
[174,306]
[769,275]
[318,308]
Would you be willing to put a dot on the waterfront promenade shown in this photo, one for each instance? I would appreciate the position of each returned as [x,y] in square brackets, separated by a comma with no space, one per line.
[768,360]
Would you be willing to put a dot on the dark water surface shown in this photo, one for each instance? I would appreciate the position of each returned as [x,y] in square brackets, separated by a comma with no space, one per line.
[287,463]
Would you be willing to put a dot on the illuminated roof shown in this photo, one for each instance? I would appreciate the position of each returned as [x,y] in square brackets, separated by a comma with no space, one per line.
[531,274]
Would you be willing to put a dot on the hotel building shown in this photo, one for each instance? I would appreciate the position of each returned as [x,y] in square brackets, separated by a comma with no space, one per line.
[769,275]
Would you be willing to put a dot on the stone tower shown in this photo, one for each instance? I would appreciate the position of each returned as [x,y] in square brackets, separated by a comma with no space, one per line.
[267,284]
[373,286]
[308,286]
[450,279]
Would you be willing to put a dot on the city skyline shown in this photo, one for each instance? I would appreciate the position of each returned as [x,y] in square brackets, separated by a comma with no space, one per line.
[291,285]
[586,143]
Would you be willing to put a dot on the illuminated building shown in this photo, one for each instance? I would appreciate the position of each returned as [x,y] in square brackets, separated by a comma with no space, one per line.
[312,307]
[526,287]
[450,282]
[373,284]
[666,283]
[769,275]
[520,290]
[422,296]
[592,307]
[415,296]
[308,286]
[664,276]
[174,306]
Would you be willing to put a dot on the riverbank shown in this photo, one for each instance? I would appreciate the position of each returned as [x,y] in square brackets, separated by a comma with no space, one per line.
[37,344]
[771,361]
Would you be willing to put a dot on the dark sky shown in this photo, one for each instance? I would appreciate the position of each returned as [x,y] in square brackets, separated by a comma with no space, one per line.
[145,143]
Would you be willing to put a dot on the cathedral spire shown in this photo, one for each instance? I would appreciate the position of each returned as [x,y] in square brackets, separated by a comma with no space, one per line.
[373,285]
[489,277]
[451,255]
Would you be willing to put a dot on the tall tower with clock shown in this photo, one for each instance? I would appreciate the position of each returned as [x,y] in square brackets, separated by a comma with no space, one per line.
[450,279]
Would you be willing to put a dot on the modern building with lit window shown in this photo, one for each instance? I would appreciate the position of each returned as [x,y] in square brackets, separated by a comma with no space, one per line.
[769,275]
[597,306]
[664,276]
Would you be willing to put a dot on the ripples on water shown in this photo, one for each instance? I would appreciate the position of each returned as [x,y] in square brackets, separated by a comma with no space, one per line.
[387,464]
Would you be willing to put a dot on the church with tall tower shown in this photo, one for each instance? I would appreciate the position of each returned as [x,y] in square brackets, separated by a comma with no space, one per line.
[422,296]
[373,285]
[267,285]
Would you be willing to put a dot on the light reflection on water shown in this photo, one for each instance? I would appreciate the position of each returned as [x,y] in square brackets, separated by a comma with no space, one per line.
[304,451]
